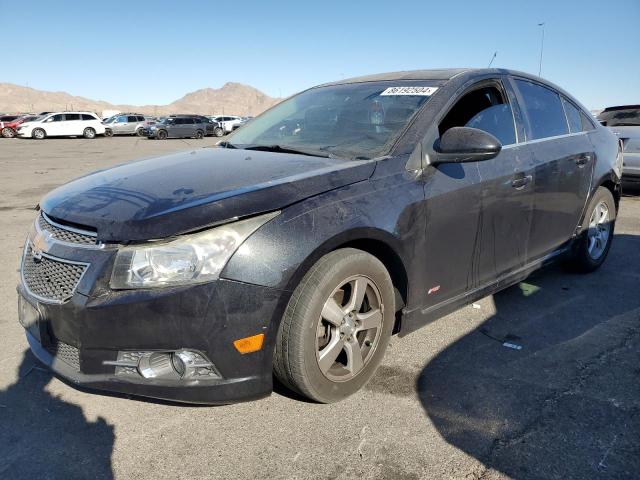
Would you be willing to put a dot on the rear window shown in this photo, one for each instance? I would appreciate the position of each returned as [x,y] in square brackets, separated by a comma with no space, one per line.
[620,117]
[544,110]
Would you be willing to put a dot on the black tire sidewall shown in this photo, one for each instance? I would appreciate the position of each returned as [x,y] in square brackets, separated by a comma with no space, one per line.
[316,385]
[162,135]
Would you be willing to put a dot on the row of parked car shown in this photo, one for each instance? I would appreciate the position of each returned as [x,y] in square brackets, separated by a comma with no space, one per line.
[88,125]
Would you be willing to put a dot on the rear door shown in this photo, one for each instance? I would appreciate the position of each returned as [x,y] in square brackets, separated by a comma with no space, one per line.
[73,124]
[563,160]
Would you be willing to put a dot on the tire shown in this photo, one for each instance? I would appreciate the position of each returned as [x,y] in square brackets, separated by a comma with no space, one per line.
[38,134]
[161,135]
[312,329]
[108,132]
[199,135]
[89,133]
[8,132]
[140,132]
[594,242]
[218,132]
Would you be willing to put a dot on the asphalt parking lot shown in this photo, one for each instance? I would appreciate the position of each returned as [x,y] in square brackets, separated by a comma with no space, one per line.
[449,401]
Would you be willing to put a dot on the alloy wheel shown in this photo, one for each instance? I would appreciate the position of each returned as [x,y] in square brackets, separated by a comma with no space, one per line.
[599,230]
[349,328]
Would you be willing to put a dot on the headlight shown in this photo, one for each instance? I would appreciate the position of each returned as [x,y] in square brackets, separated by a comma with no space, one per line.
[194,258]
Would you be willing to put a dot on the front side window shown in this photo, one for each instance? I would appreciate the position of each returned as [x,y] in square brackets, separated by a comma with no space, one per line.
[121,119]
[543,109]
[360,120]
[55,118]
[485,109]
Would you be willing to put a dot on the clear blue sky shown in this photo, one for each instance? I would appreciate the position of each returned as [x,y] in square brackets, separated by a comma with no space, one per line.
[155,52]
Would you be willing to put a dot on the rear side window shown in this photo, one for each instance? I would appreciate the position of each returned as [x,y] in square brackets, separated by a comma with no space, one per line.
[72,116]
[544,110]
[133,119]
[485,109]
[573,116]
[587,123]
[140,118]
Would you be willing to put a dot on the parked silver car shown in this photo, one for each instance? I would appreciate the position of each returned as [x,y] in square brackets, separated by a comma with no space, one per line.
[624,121]
[125,124]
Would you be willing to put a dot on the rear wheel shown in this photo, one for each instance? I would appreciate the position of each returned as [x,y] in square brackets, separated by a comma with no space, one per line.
[161,135]
[38,134]
[218,132]
[199,135]
[89,133]
[8,132]
[595,240]
[336,327]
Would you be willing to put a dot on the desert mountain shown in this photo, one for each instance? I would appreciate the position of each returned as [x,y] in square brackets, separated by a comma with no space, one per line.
[231,99]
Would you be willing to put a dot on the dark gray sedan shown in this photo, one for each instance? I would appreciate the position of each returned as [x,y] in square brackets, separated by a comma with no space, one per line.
[347,213]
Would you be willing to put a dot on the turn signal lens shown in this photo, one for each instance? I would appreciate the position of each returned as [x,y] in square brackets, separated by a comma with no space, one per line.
[249,344]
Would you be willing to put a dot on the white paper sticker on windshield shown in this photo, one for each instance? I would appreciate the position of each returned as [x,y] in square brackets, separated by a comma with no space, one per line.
[415,91]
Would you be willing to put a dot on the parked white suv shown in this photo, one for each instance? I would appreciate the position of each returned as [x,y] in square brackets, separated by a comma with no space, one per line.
[227,122]
[63,124]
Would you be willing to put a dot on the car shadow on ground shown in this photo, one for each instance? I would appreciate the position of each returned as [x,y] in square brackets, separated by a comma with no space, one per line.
[42,436]
[566,405]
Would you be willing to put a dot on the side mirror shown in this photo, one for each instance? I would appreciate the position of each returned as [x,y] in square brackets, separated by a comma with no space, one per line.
[466,144]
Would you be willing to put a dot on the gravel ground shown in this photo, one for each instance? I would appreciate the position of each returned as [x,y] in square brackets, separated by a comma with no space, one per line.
[449,401]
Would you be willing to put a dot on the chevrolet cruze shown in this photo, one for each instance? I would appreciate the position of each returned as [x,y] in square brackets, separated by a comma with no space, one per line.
[348,213]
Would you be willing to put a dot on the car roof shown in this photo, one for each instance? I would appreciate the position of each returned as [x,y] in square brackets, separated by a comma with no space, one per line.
[440,74]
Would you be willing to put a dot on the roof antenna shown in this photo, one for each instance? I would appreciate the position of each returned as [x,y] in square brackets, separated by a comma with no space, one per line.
[495,54]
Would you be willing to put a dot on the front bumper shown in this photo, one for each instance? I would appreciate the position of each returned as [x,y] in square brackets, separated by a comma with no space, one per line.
[206,318]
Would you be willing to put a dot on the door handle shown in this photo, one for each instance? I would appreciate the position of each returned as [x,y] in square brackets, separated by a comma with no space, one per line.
[521,181]
[582,160]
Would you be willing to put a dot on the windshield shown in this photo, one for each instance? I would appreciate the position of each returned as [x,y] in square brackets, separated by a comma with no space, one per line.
[352,121]
[622,117]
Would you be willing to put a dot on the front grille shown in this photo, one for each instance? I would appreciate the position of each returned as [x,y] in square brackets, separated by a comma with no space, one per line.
[64,234]
[49,278]
[65,352]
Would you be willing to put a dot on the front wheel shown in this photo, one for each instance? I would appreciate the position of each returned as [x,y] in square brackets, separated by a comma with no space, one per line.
[336,327]
[89,133]
[8,132]
[594,241]
[161,135]
[38,133]
[218,132]
[140,132]
[108,132]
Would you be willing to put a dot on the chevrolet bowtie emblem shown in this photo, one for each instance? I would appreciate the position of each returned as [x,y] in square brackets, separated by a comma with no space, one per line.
[36,255]
[41,243]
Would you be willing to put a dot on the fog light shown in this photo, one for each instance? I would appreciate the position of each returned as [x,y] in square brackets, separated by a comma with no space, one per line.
[157,365]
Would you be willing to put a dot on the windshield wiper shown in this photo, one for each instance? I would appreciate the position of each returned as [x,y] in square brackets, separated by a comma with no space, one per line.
[281,149]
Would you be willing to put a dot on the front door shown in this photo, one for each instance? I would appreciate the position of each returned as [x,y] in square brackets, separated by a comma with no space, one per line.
[478,213]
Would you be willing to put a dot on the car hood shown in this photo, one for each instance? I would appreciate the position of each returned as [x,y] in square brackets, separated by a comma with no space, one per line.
[169,195]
